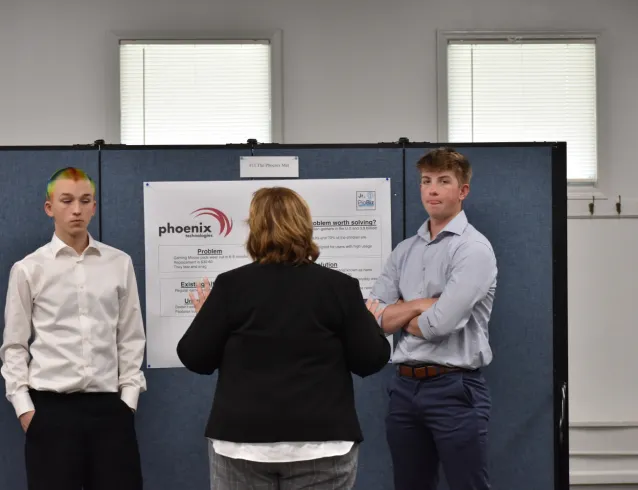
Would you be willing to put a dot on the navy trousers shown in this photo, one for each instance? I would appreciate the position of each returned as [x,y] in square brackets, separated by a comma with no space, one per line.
[439,421]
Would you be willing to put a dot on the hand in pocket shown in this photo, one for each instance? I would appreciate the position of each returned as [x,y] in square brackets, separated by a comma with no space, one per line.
[25,420]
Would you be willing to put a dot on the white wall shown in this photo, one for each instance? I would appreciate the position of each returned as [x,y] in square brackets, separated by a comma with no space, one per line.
[364,71]
[603,337]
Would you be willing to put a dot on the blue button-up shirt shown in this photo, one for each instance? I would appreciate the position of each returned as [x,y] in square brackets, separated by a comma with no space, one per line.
[459,268]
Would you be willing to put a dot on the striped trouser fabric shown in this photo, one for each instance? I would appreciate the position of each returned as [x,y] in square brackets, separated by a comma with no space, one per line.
[334,473]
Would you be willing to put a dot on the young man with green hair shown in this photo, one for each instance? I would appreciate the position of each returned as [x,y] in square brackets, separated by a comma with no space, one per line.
[72,350]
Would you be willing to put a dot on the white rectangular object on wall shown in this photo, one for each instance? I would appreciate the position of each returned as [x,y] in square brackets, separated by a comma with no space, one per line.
[603,333]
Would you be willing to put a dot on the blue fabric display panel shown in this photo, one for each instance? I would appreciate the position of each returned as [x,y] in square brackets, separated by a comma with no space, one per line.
[173,413]
[515,200]
[510,202]
[25,227]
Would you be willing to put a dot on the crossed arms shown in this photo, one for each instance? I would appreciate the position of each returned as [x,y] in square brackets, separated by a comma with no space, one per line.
[404,315]
[472,274]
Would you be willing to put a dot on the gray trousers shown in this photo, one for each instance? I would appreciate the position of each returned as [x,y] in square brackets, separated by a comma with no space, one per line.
[335,473]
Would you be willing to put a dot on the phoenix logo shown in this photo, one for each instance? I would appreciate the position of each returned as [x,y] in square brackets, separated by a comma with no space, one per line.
[225,224]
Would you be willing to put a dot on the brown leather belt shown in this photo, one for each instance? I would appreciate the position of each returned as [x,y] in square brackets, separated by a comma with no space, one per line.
[427,371]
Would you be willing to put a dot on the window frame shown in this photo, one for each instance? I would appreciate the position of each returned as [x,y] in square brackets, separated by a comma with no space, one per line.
[112,82]
[444,37]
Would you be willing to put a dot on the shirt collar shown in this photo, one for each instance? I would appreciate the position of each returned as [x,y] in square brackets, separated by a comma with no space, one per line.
[58,245]
[456,226]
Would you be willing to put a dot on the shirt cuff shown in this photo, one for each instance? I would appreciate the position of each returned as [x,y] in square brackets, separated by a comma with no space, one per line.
[425,326]
[129,395]
[22,403]
[382,307]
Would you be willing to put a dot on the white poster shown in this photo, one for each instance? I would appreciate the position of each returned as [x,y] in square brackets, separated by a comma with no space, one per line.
[198,229]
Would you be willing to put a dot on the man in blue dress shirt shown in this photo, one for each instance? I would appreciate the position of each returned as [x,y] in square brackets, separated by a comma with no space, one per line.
[436,291]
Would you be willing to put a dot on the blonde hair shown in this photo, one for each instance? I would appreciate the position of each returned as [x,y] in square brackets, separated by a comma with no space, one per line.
[280,228]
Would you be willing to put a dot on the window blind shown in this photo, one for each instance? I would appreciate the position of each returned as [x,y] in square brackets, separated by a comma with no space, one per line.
[526,91]
[195,93]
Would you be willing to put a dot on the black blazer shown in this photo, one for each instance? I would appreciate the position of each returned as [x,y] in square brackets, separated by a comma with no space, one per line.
[285,339]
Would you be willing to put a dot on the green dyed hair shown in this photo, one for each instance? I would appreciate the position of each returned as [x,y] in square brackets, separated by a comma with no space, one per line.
[70,173]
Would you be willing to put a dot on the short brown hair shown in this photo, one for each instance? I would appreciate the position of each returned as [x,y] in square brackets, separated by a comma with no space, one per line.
[444,160]
[280,228]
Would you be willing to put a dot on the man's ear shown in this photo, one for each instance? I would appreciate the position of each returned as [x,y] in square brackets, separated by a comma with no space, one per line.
[48,208]
[465,190]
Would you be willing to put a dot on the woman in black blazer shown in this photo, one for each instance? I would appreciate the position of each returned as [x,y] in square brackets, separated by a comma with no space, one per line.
[285,335]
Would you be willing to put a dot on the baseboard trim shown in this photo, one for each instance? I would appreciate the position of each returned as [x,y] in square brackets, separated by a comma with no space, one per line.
[604,454]
[603,477]
[601,424]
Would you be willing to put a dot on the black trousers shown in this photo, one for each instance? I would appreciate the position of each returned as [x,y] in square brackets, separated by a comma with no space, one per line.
[83,441]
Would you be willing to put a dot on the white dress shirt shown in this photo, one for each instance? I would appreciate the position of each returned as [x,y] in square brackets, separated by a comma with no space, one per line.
[83,315]
[281,452]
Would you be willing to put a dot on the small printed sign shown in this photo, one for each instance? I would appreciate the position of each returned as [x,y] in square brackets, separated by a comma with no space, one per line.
[268,167]
[366,200]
